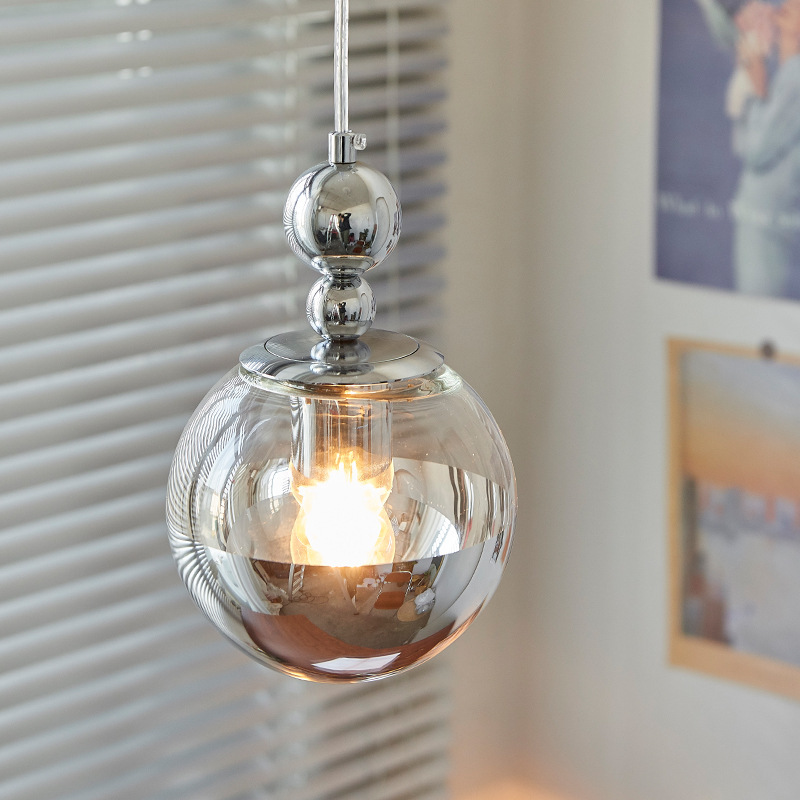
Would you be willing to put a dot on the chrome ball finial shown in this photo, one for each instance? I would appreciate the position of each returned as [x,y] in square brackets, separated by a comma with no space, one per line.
[342,220]
[340,308]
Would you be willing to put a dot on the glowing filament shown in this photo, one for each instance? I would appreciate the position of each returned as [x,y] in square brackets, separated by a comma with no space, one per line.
[342,520]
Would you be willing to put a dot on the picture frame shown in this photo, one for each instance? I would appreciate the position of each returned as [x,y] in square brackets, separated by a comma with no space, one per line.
[734,527]
[727,199]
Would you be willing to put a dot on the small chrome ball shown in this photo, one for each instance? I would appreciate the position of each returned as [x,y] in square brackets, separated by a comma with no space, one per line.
[342,218]
[340,308]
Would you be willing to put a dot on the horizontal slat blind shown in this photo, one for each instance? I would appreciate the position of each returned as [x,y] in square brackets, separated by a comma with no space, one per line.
[146,148]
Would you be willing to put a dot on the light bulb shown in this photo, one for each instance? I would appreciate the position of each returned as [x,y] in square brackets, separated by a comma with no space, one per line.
[342,473]
[342,520]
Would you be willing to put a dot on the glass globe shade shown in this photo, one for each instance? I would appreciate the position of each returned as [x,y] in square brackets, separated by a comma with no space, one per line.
[341,532]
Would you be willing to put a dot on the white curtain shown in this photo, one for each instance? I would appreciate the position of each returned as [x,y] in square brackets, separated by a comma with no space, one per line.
[146,147]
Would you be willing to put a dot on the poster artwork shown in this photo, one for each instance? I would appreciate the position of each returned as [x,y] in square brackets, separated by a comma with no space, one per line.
[735,533]
[728,194]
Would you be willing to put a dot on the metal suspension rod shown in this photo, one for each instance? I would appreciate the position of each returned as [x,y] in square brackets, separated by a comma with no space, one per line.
[342,142]
[340,66]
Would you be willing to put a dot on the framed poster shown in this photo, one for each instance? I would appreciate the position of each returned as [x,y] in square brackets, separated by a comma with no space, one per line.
[728,186]
[735,514]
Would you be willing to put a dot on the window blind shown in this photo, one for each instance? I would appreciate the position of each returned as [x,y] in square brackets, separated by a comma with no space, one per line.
[146,148]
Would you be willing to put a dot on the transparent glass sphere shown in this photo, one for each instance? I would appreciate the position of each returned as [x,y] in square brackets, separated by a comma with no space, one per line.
[345,533]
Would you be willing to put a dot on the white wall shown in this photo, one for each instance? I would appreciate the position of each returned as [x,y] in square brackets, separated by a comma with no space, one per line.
[556,319]
[487,207]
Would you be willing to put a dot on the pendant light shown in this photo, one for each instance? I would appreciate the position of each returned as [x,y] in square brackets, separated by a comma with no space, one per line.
[341,504]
